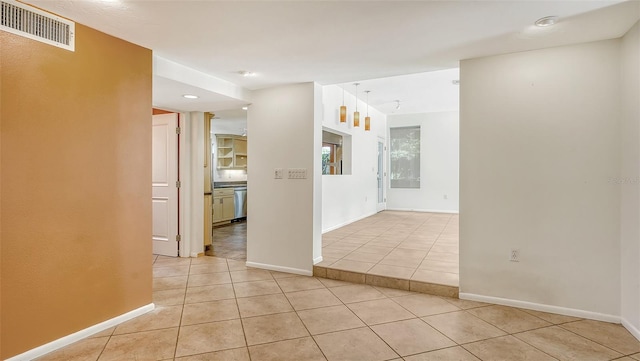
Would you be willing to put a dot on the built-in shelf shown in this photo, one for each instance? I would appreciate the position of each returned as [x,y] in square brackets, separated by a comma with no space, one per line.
[232,151]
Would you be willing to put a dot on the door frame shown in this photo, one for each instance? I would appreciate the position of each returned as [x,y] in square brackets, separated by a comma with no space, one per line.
[191,193]
[381,206]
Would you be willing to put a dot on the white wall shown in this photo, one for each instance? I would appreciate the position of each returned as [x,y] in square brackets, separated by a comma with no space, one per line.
[630,179]
[284,131]
[439,166]
[347,198]
[539,136]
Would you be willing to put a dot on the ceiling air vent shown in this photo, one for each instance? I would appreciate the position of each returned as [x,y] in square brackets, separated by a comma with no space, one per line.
[24,20]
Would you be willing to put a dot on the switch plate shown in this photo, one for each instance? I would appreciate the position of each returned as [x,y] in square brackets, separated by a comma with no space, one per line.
[514,256]
[278,173]
[297,173]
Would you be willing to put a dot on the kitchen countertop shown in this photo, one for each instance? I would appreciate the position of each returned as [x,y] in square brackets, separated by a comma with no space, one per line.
[217,185]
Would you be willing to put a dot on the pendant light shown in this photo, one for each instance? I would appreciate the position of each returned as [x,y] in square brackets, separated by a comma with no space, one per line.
[356,114]
[367,119]
[343,109]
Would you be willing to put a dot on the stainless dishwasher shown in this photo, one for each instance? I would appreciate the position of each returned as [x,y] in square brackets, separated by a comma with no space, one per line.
[240,196]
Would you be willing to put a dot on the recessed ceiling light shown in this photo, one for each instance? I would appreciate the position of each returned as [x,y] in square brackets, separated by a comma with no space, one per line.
[546,21]
[190,96]
[247,73]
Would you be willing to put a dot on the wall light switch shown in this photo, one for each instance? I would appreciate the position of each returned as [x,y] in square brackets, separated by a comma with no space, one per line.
[297,173]
[278,173]
[514,255]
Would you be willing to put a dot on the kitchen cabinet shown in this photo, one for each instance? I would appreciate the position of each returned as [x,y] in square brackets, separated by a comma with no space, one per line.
[223,205]
[232,151]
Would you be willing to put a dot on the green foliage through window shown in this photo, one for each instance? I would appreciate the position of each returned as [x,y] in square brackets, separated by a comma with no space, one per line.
[405,157]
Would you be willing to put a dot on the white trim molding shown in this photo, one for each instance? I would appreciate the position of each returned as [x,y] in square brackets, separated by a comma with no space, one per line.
[631,328]
[77,336]
[271,267]
[184,209]
[348,222]
[422,210]
[317,260]
[541,307]
[191,186]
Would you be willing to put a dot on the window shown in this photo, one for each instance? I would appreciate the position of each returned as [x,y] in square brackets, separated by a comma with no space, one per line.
[331,153]
[405,157]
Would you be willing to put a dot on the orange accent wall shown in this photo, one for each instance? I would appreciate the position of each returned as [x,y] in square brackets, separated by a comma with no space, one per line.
[156,111]
[75,183]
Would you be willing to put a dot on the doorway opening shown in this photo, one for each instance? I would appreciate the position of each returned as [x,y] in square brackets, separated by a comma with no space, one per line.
[226,192]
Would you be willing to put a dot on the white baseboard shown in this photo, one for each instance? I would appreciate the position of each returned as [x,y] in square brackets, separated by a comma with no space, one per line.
[422,210]
[77,336]
[317,260]
[348,222]
[271,267]
[542,307]
[631,328]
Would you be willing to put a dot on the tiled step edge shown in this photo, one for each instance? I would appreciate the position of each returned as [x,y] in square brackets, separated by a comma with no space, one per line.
[384,281]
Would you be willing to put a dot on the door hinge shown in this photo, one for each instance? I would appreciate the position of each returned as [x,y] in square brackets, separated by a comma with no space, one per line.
[177,130]
[178,238]
[177,184]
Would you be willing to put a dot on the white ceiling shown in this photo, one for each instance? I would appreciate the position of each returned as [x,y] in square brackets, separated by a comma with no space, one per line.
[432,91]
[333,42]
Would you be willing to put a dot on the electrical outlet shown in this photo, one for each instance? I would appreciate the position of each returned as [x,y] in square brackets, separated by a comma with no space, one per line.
[446,196]
[297,173]
[514,256]
[278,173]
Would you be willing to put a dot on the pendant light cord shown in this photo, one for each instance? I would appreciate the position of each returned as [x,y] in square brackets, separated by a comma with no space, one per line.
[367,102]
[356,84]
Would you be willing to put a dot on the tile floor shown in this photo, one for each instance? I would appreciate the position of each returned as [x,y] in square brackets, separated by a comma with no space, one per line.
[217,309]
[403,245]
[421,247]
[230,241]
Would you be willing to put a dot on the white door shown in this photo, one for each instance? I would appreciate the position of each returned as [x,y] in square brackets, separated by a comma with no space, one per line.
[164,182]
[382,202]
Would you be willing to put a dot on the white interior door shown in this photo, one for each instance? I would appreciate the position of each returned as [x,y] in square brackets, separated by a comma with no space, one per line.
[164,182]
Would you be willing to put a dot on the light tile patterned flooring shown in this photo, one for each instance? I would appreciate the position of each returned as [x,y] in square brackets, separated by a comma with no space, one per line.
[230,241]
[405,245]
[212,308]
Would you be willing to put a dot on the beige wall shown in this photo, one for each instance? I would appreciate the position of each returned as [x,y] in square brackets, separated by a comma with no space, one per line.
[539,155]
[75,185]
[282,230]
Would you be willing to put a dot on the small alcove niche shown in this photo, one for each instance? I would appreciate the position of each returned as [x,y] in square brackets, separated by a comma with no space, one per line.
[336,152]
